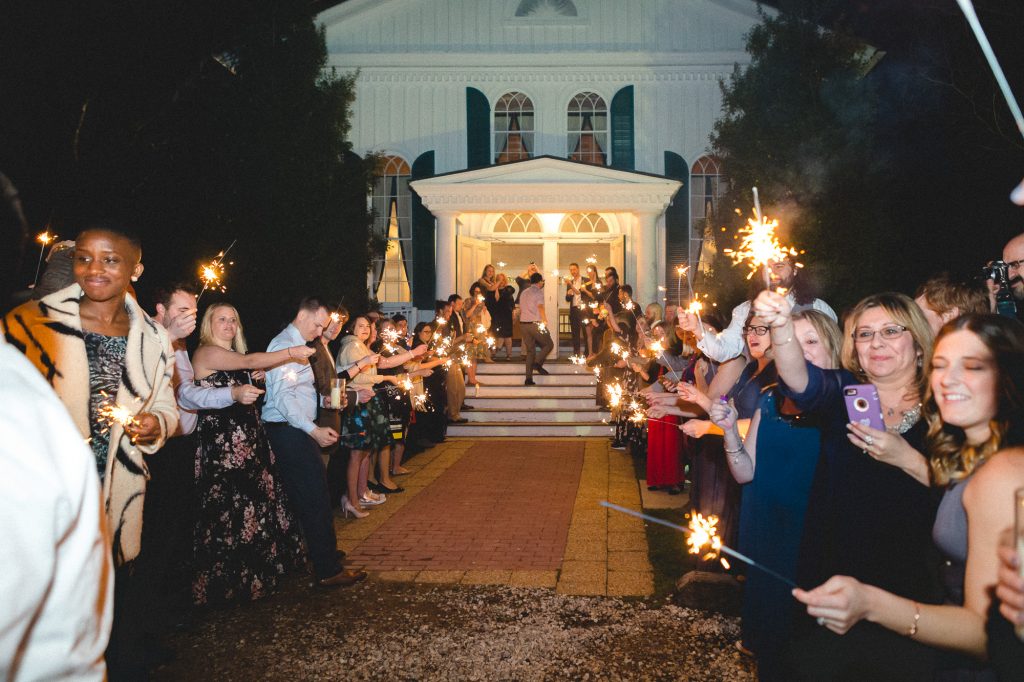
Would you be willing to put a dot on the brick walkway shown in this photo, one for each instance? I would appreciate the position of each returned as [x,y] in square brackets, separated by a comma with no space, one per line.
[463,519]
[502,506]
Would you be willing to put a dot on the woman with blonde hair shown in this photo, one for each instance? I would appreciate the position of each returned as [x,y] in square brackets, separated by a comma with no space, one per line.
[974,407]
[870,510]
[245,537]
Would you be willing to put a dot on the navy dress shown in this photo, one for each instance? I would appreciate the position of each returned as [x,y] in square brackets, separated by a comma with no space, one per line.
[867,520]
[772,525]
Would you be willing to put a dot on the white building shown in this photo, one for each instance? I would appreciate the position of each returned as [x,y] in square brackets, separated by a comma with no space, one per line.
[537,130]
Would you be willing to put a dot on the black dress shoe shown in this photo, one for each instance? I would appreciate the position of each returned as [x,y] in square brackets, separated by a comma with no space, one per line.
[460,420]
[375,487]
[467,407]
[391,491]
[340,554]
[540,370]
[530,382]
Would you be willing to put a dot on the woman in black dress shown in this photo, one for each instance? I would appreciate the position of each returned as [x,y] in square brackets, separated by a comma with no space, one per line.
[245,537]
[500,304]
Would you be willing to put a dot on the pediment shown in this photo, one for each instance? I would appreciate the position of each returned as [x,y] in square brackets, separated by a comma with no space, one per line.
[544,170]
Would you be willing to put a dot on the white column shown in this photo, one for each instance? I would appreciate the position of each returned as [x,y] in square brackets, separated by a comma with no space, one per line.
[444,254]
[645,246]
[551,289]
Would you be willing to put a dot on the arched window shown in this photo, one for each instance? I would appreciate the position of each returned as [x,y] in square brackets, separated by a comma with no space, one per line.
[392,219]
[587,127]
[546,8]
[583,222]
[513,128]
[517,222]
[706,187]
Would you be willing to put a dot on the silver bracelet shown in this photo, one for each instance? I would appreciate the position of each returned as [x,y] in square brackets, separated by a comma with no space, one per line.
[734,452]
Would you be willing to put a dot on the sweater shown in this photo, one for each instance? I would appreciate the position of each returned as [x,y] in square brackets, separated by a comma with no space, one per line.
[49,333]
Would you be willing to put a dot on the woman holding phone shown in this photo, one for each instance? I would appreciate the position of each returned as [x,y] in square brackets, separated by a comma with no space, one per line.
[975,413]
[870,510]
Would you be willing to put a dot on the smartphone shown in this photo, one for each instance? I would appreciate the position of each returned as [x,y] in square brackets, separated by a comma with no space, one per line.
[863,406]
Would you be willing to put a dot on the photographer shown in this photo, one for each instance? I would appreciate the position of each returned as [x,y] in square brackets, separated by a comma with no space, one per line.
[1005,283]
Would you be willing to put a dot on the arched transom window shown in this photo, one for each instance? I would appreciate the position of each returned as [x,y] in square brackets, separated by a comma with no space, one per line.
[517,222]
[513,128]
[706,187]
[583,222]
[392,219]
[587,129]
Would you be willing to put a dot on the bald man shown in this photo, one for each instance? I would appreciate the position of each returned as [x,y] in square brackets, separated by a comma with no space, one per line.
[1013,256]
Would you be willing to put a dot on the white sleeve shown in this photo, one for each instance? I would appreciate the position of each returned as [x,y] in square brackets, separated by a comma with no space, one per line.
[192,397]
[729,343]
[56,577]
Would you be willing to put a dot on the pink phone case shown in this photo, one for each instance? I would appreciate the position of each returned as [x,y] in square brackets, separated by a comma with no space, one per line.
[863,406]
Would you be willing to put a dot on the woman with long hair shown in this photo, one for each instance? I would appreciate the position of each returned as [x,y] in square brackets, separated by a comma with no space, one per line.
[867,479]
[974,407]
[245,537]
[775,464]
[590,295]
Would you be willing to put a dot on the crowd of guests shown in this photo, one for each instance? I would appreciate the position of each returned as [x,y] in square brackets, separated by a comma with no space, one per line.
[220,471]
[872,461]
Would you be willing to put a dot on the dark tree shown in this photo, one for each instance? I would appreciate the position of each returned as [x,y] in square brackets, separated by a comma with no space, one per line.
[197,123]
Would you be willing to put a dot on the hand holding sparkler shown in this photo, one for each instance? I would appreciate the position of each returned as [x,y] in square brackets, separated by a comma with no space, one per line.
[691,394]
[696,428]
[724,415]
[773,308]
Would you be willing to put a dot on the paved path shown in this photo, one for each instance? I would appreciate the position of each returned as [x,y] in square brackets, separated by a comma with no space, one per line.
[518,512]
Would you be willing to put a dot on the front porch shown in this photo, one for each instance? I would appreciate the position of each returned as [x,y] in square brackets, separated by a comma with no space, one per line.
[550,212]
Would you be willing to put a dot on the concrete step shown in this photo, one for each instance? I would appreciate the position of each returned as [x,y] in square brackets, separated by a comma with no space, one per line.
[532,402]
[559,368]
[527,430]
[535,415]
[518,390]
[541,380]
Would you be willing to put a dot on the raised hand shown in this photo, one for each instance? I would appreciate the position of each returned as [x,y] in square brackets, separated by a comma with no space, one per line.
[723,415]
[774,309]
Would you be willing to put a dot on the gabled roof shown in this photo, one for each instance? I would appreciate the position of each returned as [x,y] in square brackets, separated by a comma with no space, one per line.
[546,183]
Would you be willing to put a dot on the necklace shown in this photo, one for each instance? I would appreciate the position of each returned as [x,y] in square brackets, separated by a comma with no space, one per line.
[910,418]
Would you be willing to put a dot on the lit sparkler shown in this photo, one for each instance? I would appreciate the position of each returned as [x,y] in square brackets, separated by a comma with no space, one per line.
[212,274]
[592,260]
[614,394]
[759,245]
[578,359]
[680,271]
[502,264]
[701,541]
[44,239]
[542,328]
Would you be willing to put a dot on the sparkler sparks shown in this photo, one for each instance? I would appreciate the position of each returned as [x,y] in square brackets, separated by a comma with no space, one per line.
[212,274]
[45,239]
[592,260]
[759,244]
[578,359]
[614,394]
[724,549]
[502,264]
[542,328]
[704,536]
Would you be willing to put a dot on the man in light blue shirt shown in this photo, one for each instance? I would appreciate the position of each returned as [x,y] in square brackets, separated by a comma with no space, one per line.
[290,418]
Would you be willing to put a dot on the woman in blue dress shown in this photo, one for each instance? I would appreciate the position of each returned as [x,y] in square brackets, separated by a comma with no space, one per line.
[775,464]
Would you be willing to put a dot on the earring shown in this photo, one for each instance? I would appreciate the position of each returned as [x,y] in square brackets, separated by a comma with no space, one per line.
[135,279]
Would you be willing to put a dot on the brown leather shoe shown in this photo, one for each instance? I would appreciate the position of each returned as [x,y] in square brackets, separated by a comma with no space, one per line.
[343,578]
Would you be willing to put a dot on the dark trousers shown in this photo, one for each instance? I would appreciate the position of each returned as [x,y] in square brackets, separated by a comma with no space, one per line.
[532,337]
[305,482]
[337,474]
[127,648]
[576,329]
[168,529]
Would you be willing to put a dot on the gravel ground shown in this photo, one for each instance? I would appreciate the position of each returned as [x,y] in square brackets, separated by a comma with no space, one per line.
[402,631]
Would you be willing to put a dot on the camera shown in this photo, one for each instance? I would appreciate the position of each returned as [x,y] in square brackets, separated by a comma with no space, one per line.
[999,272]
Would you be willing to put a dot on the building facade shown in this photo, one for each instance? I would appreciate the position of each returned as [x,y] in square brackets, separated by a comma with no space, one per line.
[545,131]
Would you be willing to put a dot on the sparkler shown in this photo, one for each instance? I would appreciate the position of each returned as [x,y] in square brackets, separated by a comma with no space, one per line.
[967,7]
[502,264]
[212,273]
[592,260]
[542,328]
[44,239]
[703,539]
[578,359]
[680,271]
[759,245]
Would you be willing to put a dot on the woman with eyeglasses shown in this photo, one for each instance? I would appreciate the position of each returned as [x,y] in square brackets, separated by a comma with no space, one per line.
[870,510]
[775,464]
[975,413]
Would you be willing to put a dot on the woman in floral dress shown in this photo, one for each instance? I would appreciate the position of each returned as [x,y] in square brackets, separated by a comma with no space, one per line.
[245,537]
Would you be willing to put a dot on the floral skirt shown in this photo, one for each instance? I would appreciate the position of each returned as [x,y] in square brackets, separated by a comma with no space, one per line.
[366,427]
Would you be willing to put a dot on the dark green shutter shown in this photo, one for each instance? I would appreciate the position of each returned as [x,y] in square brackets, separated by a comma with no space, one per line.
[423,270]
[478,129]
[677,216]
[622,129]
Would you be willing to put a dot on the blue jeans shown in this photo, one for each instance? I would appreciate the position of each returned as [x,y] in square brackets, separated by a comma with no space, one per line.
[305,482]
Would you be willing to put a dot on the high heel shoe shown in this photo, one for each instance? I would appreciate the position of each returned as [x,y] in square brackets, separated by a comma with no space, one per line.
[348,508]
[372,500]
